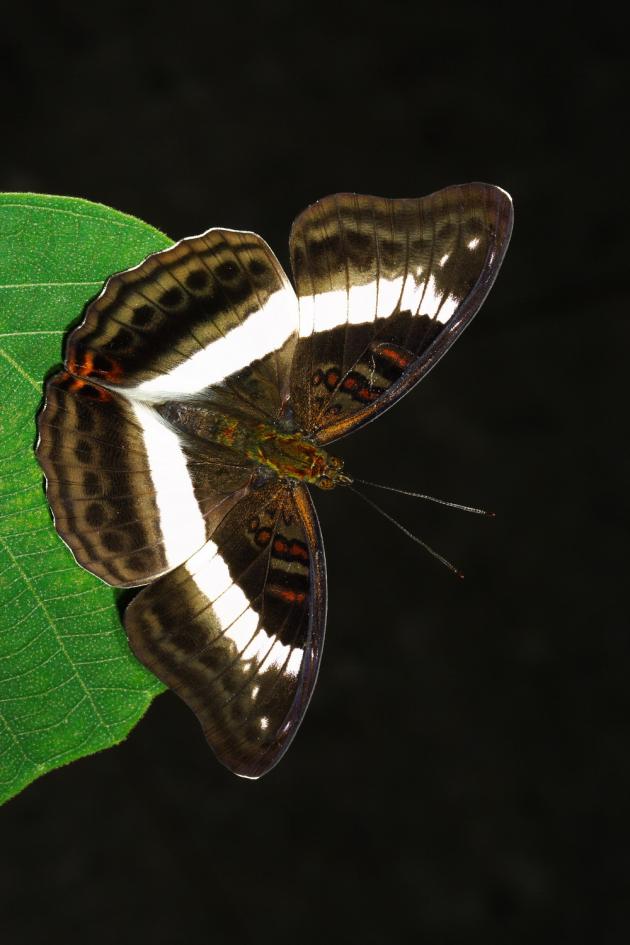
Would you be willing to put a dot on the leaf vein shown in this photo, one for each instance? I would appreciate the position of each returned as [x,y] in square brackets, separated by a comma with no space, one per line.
[18,367]
[61,643]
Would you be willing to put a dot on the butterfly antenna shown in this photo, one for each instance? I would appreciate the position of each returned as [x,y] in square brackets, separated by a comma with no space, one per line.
[429,498]
[418,541]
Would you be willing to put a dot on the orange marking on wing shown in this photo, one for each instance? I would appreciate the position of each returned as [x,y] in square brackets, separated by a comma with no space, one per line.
[86,367]
[287,594]
[263,536]
[80,386]
[396,357]
[81,368]
[296,550]
[115,372]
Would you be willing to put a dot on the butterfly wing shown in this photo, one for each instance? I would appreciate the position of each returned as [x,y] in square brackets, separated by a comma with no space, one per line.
[237,631]
[210,321]
[213,318]
[384,288]
[131,497]
[235,620]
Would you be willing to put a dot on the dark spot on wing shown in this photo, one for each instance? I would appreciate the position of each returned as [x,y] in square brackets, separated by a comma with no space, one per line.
[95,514]
[171,297]
[142,315]
[197,279]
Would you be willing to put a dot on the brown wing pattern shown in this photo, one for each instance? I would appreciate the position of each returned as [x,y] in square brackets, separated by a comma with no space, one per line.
[238,630]
[130,496]
[213,317]
[384,288]
[168,359]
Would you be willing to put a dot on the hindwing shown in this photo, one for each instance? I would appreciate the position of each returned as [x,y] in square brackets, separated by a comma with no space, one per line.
[237,631]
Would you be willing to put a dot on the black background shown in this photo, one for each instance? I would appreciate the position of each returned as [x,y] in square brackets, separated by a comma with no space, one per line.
[462,774]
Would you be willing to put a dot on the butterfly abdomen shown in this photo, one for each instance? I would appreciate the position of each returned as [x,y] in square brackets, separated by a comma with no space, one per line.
[209,425]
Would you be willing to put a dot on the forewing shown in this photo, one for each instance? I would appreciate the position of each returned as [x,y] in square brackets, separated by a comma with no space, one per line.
[384,288]
[131,497]
[213,318]
[238,630]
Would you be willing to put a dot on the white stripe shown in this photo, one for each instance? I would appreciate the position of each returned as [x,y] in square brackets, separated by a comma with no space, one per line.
[440,306]
[181,522]
[412,291]
[262,332]
[307,315]
[243,631]
[362,300]
[388,296]
[330,309]
[230,605]
[236,618]
[295,662]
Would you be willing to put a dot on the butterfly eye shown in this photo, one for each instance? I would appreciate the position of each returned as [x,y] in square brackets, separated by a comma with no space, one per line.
[325,482]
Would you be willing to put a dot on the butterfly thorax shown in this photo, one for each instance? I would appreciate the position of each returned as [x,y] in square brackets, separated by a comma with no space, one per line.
[296,457]
[285,454]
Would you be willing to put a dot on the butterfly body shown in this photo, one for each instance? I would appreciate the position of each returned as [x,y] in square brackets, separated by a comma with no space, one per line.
[274,451]
[199,396]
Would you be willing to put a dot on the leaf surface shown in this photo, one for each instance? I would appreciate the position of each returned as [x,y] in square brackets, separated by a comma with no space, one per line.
[69,685]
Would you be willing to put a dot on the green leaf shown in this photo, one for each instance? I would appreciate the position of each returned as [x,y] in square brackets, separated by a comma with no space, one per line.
[69,685]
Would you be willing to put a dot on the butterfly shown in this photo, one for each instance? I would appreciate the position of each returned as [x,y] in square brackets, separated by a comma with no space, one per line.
[197,403]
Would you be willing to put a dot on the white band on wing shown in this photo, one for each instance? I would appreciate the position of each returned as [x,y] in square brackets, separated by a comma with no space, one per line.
[239,622]
[181,522]
[263,331]
[374,300]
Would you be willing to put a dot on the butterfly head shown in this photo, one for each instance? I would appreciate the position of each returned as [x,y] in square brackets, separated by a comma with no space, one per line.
[332,474]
